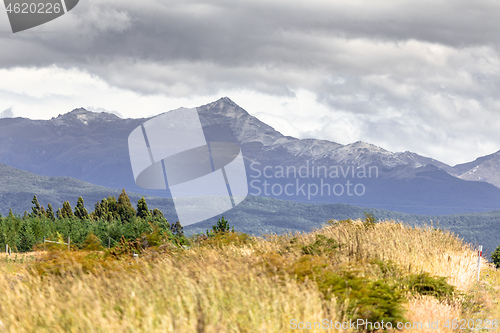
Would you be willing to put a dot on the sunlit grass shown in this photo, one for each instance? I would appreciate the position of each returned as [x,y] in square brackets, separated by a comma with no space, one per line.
[238,284]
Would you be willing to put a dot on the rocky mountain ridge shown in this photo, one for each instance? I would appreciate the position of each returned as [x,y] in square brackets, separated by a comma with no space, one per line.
[93,147]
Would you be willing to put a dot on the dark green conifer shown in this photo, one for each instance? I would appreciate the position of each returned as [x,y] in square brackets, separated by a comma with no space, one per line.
[50,212]
[142,209]
[124,207]
[177,229]
[80,210]
[36,210]
[66,210]
[496,257]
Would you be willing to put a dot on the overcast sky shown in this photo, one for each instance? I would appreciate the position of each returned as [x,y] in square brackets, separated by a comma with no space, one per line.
[404,75]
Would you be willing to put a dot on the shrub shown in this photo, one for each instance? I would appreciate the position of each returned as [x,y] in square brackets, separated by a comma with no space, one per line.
[219,240]
[126,247]
[321,245]
[496,257]
[425,284]
[373,300]
[222,226]
[92,243]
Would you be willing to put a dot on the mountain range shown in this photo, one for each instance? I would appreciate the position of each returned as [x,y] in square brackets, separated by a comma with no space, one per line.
[93,147]
[83,153]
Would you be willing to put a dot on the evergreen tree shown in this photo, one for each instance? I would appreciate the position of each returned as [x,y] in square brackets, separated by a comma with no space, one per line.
[111,204]
[142,209]
[222,226]
[105,210]
[42,211]
[124,207]
[496,257]
[66,210]
[36,210]
[26,237]
[11,215]
[100,210]
[50,212]
[59,213]
[177,229]
[80,210]
[157,214]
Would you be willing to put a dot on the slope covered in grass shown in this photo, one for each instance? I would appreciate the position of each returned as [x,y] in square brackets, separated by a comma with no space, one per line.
[229,282]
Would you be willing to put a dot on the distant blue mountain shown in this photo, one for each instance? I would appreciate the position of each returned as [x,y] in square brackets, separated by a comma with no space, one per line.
[93,147]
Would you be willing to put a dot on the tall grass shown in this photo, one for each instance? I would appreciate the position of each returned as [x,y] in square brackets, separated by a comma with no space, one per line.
[218,287]
[205,293]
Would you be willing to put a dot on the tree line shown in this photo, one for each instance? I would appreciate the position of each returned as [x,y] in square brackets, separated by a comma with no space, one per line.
[111,220]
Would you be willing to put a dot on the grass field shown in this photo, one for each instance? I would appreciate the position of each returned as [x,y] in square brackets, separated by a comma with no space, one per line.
[348,270]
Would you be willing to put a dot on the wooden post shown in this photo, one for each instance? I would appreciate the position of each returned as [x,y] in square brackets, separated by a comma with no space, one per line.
[479,254]
[68,243]
[109,242]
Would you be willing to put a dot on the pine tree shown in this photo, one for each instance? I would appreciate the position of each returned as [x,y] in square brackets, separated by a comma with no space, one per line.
[142,209]
[111,204]
[496,257]
[177,229]
[222,226]
[50,212]
[26,237]
[11,215]
[80,210]
[100,210]
[124,207]
[157,214]
[59,213]
[36,209]
[66,210]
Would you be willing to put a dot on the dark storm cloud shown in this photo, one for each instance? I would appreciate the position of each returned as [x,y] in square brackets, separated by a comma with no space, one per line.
[256,40]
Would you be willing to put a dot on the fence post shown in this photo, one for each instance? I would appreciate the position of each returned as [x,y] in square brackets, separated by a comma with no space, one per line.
[109,242]
[479,254]
[68,243]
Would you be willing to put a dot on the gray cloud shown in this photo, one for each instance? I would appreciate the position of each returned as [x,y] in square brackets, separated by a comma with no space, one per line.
[417,74]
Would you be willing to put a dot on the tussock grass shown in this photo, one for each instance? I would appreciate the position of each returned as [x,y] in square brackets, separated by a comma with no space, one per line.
[241,284]
[424,309]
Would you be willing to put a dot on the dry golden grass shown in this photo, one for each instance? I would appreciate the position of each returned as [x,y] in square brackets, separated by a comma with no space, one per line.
[203,292]
[439,253]
[210,289]
[424,249]
[426,309]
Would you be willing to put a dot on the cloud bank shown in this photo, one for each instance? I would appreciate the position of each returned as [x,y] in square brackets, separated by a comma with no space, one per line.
[406,75]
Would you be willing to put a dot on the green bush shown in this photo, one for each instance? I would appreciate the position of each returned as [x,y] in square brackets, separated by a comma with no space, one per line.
[496,257]
[222,226]
[321,245]
[425,284]
[373,300]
